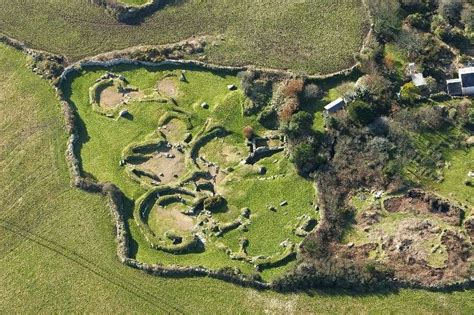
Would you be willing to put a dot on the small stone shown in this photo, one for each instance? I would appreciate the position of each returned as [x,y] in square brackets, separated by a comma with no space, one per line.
[204,105]
[378,194]
[262,170]
[123,113]
[121,163]
[175,175]
[170,156]
[245,212]
[283,203]
[272,208]
[231,87]
[162,175]
[350,245]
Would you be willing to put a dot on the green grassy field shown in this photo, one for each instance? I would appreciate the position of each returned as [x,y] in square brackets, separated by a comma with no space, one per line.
[314,36]
[243,188]
[57,252]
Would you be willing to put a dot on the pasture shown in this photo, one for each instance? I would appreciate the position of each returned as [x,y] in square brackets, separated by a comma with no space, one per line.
[57,251]
[312,36]
[192,103]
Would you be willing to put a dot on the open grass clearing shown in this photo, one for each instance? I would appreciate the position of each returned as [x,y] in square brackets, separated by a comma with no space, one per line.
[241,188]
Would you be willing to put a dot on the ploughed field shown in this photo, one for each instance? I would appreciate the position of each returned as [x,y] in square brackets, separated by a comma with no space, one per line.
[201,193]
[318,36]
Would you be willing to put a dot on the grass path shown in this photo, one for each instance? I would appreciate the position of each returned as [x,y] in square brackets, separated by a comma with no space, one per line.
[57,252]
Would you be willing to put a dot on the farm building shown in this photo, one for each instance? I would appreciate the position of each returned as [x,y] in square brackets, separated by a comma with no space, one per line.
[334,106]
[454,87]
[464,85]
[416,77]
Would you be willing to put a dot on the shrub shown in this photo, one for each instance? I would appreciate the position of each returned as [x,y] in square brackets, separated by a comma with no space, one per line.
[386,21]
[431,84]
[312,92]
[299,124]
[431,117]
[467,17]
[268,118]
[440,97]
[409,93]
[290,107]
[377,87]
[361,113]
[258,91]
[306,158]
[451,10]
[293,88]
[248,132]
[419,21]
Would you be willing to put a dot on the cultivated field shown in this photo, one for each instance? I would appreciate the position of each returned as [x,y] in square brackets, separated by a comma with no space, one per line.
[57,251]
[314,36]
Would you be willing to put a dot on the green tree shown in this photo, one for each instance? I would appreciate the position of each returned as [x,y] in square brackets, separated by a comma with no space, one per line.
[361,113]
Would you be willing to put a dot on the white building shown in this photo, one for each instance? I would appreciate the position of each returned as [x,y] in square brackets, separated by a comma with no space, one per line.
[464,85]
[417,78]
[334,106]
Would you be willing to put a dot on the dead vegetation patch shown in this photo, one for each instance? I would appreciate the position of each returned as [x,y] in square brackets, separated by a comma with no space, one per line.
[420,202]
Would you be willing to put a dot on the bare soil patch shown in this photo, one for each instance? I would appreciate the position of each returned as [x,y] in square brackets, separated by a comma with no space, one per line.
[170,218]
[168,87]
[167,165]
[110,97]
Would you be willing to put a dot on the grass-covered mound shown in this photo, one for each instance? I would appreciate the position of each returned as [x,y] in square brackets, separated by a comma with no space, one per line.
[315,36]
[179,158]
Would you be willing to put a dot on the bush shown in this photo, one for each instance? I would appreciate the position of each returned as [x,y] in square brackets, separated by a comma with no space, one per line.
[248,132]
[467,17]
[361,113]
[293,88]
[306,158]
[419,21]
[386,21]
[258,91]
[451,10]
[431,118]
[268,118]
[299,124]
[409,93]
[290,107]
[440,97]
[312,92]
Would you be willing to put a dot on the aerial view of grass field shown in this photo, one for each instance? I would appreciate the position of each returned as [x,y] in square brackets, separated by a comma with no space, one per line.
[162,156]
